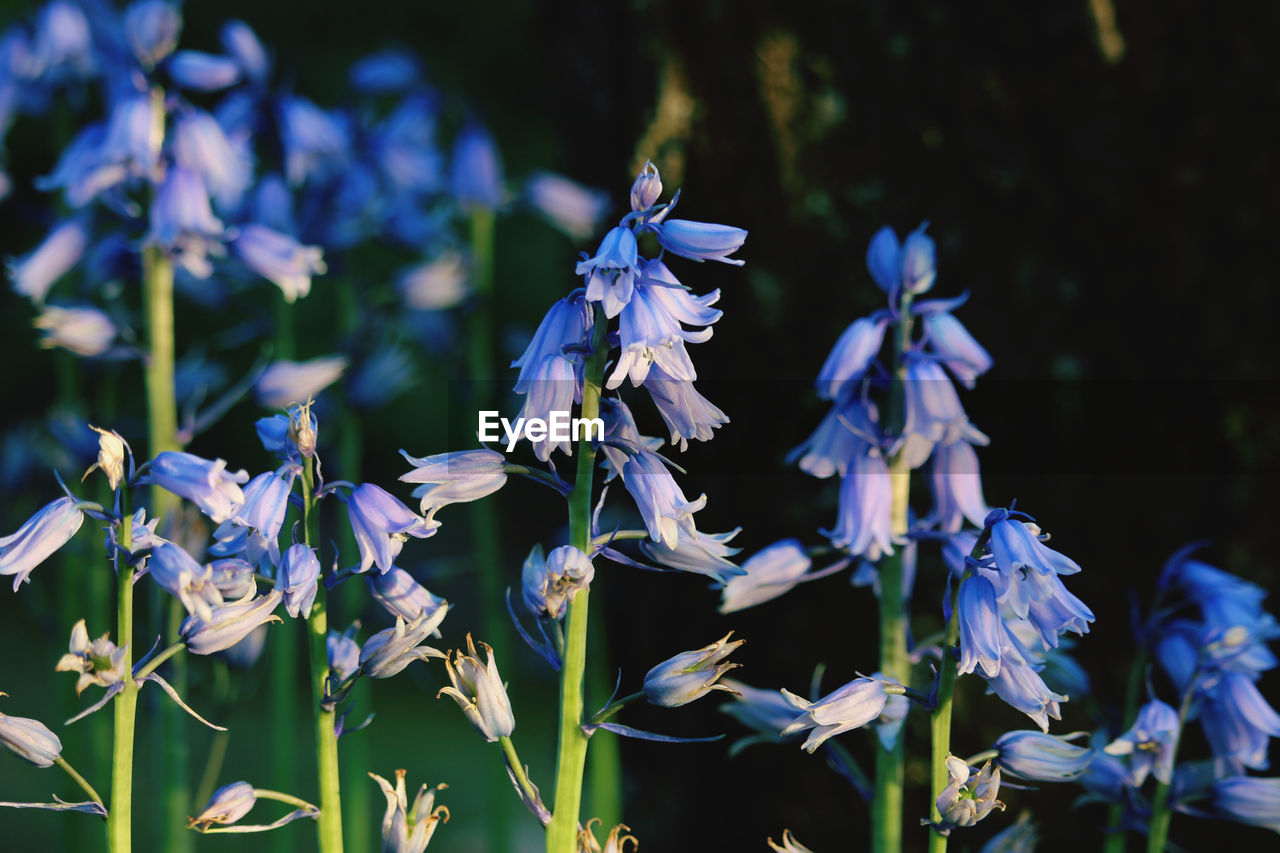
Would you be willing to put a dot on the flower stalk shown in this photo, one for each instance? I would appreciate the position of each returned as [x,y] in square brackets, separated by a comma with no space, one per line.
[571,755]
[1161,814]
[120,815]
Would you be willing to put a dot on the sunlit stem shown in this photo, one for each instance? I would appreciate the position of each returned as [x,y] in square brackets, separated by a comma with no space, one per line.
[329,824]
[886,822]
[940,724]
[571,756]
[120,814]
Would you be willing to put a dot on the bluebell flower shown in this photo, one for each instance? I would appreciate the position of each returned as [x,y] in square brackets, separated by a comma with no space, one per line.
[63,44]
[381,525]
[38,537]
[98,662]
[892,717]
[550,584]
[29,739]
[206,484]
[299,579]
[80,329]
[1149,743]
[847,432]
[646,189]
[1042,757]
[884,260]
[286,382]
[203,72]
[852,355]
[650,329]
[706,554]
[611,274]
[984,638]
[700,241]
[864,525]
[1016,545]
[406,152]
[182,222]
[687,414]
[280,259]
[849,707]
[566,326]
[767,574]
[279,434]
[620,427]
[1237,720]
[35,273]
[766,712]
[458,477]
[81,172]
[970,796]
[178,574]
[401,595]
[384,72]
[690,675]
[233,577]
[229,624]
[436,284]
[552,387]
[242,43]
[476,169]
[316,145]
[1047,605]
[934,414]
[663,506]
[131,137]
[1249,800]
[909,266]
[266,497]
[200,143]
[919,261]
[227,805]
[152,28]
[574,209]
[1020,686]
[343,654]
[951,342]
[405,828]
[957,487]
[479,691]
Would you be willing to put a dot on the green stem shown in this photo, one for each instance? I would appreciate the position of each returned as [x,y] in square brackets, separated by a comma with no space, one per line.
[517,769]
[79,780]
[158,661]
[1161,814]
[120,815]
[940,725]
[886,823]
[329,824]
[571,757]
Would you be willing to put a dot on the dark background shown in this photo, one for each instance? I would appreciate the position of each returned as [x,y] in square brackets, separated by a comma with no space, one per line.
[1112,219]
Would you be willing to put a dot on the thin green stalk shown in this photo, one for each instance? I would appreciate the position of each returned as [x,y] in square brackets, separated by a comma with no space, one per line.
[329,824]
[1161,814]
[120,815]
[571,756]
[886,821]
[79,780]
[940,724]
[604,775]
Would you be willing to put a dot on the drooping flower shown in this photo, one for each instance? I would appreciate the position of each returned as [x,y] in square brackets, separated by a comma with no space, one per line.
[1237,719]
[1042,757]
[700,241]
[612,272]
[457,477]
[382,524]
[1019,685]
[436,284]
[957,487]
[1249,800]
[550,584]
[768,574]
[152,28]
[38,537]
[477,169]
[1149,743]
[851,356]
[203,72]
[951,342]
[663,506]
[316,145]
[286,382]
[229,624]
[850,430]
[849,707]
[479,692]
[408,829]
[708,555]
[29,739]
[389,651]
[266,497]
[571,207]
[343,654]
[865,524]
[241,42]
[299,579]
[280,259]
[35,273]
[401,595]
[180,575]
[79,329]
[650,326]
[227,805]
[182,222]
[690,675]
[207,484]
[687,413]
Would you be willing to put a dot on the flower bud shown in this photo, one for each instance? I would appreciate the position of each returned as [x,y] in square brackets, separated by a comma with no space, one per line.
[299,579]
[690,675]
[111,449]
[29,739]
[227,805]
[647,187]
[551,584]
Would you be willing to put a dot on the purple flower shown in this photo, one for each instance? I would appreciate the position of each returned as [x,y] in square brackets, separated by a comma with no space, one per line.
[611,274]
[79,329]
[566,326]
[229,624]
[239,40]
[343,655]
[959,351]
[29,739]
[266,497]
[865,523]
[458,477]
[436,284]
[1042,757]
[227,805]
[402,596]
[183,223]
[849,431]
[203,72]
[690,675]
[1149,743]
[199,143]
[663,506]
[388,652]
[62,42]
[646,189]
[984,638]
[688,414]
[1249,800]
[851,356]
[957,487]
[707,554]
[477,169]
[285,382]
[381,525]
[299,579]
[207,484]
[152,28]
[767,574]
[849,707]
[180,575]
[549,585]
[700,241]
[34,274]
[650,327]
[280,259]
[1016,545]
[910,266]
[1237,720]
[934,413]
[571,207]
[316,145]
[38,537]
[1020,686]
